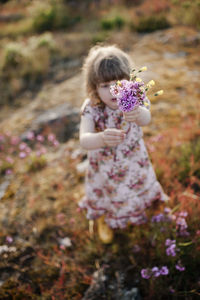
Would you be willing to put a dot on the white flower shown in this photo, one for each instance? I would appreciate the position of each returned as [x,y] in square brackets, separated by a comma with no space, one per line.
[66,242]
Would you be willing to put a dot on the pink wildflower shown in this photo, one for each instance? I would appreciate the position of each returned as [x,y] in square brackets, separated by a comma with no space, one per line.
[30,135]
[22,146]
[22,154]
[40,138]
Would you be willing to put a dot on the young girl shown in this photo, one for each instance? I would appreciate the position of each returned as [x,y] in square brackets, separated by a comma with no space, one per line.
[120,180]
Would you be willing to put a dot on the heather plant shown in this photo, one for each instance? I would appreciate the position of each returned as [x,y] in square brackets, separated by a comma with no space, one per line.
[171,260]
[30,155]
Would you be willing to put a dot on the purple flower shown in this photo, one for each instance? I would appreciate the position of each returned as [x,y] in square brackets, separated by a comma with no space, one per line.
[158,218]
[169,242]
[145,273]
[183,214]
[181,223]
[155,271]
[164,271]
[179,266]
[9,239]
[129,94]
[172,249]
[167,210]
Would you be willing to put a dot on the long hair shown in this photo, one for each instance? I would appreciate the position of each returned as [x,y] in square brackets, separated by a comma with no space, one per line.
[104,64]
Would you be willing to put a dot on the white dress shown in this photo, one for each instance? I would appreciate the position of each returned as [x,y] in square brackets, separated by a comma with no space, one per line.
[120,181]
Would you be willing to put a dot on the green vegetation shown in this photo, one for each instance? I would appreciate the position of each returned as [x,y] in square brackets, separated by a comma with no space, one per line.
[114,23]
[25,65]
[152,23]
[187,12]
[54,17]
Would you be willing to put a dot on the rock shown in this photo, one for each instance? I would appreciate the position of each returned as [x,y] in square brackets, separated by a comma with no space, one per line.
[62,120]
[132,294]
[97,289]
[66,242]
[10,17]
[3,188]
[105,286]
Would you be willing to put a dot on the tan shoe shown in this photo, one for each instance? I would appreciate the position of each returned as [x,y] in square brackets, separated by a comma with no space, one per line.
[104,231]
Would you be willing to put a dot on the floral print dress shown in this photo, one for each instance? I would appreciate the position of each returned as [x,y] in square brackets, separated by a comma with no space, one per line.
[120,181]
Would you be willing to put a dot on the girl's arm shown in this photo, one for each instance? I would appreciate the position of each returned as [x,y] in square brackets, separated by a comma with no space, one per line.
[91,140]
[140,115]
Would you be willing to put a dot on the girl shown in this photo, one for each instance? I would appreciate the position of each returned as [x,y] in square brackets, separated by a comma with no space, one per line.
[120,181]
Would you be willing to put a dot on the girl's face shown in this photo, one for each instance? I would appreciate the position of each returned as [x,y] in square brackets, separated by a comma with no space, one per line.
[103,90]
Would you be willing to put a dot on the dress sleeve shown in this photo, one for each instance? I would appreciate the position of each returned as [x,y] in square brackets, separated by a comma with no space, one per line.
[86,109]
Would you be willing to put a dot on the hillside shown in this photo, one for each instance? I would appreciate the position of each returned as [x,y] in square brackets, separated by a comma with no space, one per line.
[47,248]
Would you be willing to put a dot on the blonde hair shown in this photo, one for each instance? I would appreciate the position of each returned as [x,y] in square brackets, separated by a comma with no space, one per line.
[104,64]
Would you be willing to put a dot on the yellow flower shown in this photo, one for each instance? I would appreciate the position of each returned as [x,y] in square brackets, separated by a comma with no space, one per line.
[138,79]
[143,69]
[158,93]
[119,83]
[150,83]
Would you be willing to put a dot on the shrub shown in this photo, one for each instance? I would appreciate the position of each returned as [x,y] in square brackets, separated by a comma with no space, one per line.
[36,163]
[45,20]
[24,65]
[152,23]
[113,23]
[56,16]
[12,55]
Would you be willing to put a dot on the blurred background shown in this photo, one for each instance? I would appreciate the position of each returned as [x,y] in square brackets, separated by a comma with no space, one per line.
[46,247]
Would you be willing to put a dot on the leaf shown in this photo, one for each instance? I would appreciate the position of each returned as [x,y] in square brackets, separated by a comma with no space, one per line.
[186,244]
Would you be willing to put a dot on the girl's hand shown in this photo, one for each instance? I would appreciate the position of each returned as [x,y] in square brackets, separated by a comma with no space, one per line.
[113,137]
[133,115]
[140,115]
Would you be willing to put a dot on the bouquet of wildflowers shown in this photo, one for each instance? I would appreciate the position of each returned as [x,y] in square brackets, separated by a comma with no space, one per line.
[132,93]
